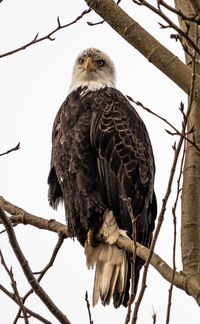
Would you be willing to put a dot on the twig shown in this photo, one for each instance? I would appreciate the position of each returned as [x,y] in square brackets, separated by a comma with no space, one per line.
[42,273]
[177,132]
[101,21]
[14,286]
[154,315]
[52,259]
[88,308]
[160,13]
[175,233]
[194,18]
[28,273]
[95,24]
[17,147]
[29,311]
[133,261]
[174,242]
[48,36]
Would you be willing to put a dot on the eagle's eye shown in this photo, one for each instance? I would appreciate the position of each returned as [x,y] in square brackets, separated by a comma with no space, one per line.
[100,62]
[81,61]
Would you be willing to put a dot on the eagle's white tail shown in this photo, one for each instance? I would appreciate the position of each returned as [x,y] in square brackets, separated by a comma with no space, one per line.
[111,265]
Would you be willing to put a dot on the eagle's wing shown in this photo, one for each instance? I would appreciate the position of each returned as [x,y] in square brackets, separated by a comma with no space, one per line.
[126,168]
[55,194]
[125,161]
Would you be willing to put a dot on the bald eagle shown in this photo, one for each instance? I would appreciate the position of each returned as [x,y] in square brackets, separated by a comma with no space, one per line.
[102,163]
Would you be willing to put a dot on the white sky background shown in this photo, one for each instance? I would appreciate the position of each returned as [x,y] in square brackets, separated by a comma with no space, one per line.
[33,84]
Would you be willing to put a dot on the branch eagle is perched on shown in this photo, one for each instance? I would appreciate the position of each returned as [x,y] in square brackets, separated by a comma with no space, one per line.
[101,159]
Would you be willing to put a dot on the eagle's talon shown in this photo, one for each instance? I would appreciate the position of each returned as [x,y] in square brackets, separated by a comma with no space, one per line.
[90,236]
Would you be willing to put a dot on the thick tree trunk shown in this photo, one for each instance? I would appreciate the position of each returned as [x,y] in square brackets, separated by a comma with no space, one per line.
[190,229]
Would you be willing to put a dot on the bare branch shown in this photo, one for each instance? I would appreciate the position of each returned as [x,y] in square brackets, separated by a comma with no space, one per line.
[42,272]
[133,260]
[29,311]
[20,216]
[171,24]
[154,315]
[88,308]
[37,39]
[188,283]
[175,236]
[15,289]
[177,132]
[194,18]
[95,24]
[17,147]
[99,22]
[28,273]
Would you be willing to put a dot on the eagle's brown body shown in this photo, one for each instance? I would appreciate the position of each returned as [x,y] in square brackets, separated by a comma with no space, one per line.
[101,157]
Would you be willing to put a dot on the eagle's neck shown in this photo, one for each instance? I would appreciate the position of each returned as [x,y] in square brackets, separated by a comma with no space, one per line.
[90,85]
[93,83]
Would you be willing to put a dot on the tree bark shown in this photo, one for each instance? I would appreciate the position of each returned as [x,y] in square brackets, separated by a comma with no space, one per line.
[190,223]
[146,44]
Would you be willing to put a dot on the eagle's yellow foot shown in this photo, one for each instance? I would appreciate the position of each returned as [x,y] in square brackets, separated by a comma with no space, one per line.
[90,237]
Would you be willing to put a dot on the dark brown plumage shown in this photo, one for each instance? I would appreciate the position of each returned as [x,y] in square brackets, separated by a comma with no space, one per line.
[101,156]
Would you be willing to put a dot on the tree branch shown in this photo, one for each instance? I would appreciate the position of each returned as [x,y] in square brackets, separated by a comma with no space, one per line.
[15,289]
[188,283]
[27,271]
[171,24]
[42,272]
[20,216]
[48,36]
[17,147]
[29,311]
[88,308]
[147,45]
[193,17]
[177,132]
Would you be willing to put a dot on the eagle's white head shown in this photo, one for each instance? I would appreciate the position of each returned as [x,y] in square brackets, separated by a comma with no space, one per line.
[92,69]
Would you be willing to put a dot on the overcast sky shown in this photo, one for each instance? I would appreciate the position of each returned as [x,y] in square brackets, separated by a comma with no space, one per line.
[33,84]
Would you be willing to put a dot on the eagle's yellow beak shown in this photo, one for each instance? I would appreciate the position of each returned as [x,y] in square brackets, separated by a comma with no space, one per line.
[88,65]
